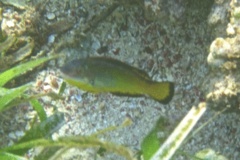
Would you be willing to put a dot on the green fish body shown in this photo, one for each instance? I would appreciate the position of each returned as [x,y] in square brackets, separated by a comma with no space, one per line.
[98,74]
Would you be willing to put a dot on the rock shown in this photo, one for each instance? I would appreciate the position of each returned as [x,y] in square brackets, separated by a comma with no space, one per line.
[50,16]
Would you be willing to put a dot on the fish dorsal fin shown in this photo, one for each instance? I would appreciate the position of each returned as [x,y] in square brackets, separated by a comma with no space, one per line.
[142,73]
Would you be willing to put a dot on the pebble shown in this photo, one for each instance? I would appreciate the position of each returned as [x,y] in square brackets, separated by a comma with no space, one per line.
[10,24]
[19,133]
[230,29]
[78,97]
[12,135]
[50,16]
[51,38]
[96,45]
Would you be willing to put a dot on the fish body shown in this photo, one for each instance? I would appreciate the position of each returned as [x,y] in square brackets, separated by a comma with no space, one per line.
[98,74]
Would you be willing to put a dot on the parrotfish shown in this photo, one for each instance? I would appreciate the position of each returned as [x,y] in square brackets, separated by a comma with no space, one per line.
[101,74]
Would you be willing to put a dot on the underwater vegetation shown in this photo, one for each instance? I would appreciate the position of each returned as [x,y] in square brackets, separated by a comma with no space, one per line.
[19,48]
[40,134]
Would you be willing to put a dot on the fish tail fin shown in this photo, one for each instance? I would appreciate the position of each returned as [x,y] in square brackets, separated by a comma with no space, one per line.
[161,91]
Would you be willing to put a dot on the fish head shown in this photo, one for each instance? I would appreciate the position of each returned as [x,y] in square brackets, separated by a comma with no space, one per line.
[73,69]
[76,73]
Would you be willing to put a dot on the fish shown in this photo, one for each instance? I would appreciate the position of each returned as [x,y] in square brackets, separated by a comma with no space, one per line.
[108,75]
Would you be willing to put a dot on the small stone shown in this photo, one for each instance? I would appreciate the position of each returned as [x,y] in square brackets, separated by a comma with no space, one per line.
[230,30]
[10,24]
[12,135]
[220,48]
[50,16]
[51,38]
[78,97]
[96,45]
[19,133]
